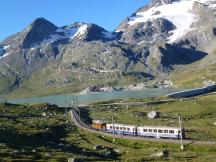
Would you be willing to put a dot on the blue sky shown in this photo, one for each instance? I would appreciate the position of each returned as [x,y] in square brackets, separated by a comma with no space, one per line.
[15,15]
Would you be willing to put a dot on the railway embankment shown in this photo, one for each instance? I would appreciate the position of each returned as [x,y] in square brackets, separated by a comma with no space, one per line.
[193,92]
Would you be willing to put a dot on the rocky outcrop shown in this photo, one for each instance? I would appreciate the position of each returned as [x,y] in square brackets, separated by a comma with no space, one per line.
[148,32]
[203,32]
[98,57]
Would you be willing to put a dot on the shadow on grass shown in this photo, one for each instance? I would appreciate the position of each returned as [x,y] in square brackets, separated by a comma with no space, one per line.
[51,139]
[85,116]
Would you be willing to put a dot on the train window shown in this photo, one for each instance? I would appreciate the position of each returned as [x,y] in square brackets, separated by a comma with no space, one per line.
[121,128]
[124,128]
[144,130]
[160,131]
[110,127]
[171,131]
[165,131]
[133,129]
[155,130]
[128,129]
[149,130]
[117,127]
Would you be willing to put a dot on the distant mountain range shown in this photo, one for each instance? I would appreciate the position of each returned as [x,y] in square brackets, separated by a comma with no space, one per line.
[166,39]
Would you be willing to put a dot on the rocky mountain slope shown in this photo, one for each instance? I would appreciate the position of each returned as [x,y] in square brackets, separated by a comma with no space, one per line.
[155,41]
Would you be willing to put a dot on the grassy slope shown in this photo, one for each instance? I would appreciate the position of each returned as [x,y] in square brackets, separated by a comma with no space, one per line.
[25,135]
[195,78]
[6,84]
[195,74]
[198,114]
[138,151]
[24,129]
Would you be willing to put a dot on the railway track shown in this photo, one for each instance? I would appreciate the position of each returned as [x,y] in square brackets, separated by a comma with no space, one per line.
[79,123]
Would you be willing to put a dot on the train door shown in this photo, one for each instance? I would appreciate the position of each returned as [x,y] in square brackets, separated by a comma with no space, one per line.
[135,131]
[183,133]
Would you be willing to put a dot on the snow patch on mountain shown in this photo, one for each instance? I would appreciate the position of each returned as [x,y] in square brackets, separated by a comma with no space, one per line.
[2,51]
[68,32]
[71,32]
[52,38]
[80,31]
[179,13]
[141,43]
[6,47]
[5,55]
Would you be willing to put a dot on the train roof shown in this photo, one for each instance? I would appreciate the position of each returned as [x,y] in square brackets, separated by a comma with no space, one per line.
[98,122]
[148,127]
[158,127]
[122,125]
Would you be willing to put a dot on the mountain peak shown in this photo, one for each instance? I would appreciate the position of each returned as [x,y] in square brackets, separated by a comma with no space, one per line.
[38,30]
[83,32]
[40,23]
[40,20]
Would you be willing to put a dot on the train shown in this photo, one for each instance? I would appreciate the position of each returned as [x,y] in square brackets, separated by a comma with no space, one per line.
[145,131]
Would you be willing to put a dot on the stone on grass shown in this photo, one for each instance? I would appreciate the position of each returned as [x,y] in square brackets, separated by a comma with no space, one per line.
[15,151]
[97,147]
[60,144]
[71,160]
[47,154]
[44,114]
[160,154]
[116,150]
[214,123]
[2,145]
[153,114]
[74,160]
[107,154]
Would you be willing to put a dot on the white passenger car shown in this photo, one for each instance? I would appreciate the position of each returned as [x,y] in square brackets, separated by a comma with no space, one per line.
[159,132]
[122,129]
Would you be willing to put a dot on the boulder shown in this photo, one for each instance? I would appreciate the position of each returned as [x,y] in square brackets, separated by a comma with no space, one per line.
[97,147]
[48,154]
[74,160]
[108,153]
[71,160]
[153,114]
[44,114]
[116,150]
[161,154]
